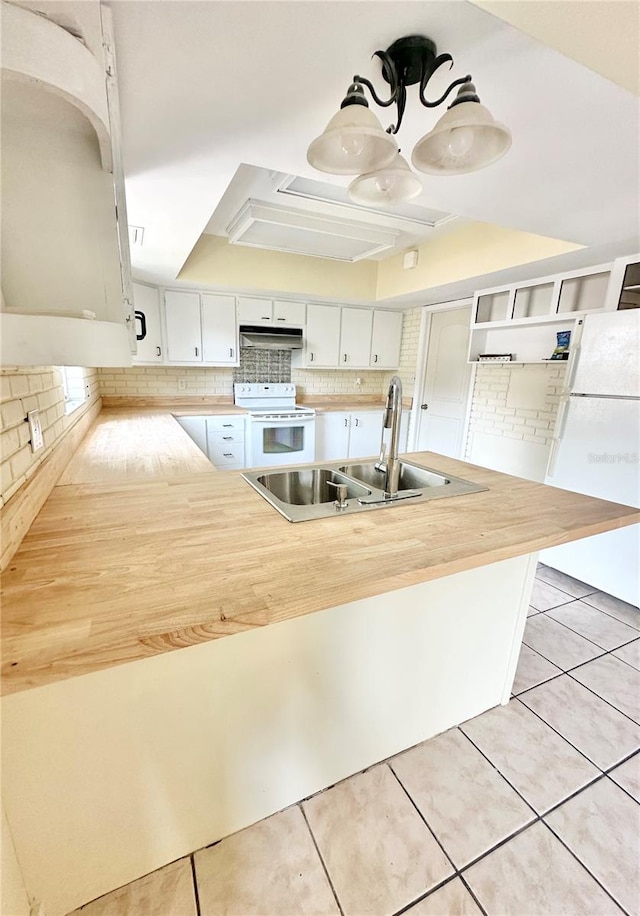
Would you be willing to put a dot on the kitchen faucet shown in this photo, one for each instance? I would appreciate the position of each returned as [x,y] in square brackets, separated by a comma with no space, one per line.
[391,420]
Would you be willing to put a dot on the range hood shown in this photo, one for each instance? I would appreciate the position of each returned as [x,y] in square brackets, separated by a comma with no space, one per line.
[270,338]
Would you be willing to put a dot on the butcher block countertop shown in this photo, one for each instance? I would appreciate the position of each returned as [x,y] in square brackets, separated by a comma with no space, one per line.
[143,547]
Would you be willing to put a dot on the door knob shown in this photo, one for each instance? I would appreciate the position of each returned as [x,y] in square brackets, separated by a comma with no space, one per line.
[424,407]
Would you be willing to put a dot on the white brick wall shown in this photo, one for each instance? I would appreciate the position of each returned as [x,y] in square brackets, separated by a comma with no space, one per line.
[24,389]
[519,402]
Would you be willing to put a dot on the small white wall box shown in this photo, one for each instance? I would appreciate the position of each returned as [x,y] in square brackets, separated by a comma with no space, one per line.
[35,430]
[410,259]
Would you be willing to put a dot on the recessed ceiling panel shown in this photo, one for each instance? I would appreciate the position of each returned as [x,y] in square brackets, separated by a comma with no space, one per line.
[262,225]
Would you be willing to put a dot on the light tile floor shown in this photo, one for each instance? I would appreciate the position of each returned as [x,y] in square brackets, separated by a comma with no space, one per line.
[531,809]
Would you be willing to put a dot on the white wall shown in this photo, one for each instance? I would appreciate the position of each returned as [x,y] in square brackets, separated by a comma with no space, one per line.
[513,415]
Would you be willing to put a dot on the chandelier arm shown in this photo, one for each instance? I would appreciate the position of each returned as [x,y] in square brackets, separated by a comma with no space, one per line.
[428,73]
[365,82]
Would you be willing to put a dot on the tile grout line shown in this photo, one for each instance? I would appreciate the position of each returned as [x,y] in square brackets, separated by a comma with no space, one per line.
[195,884]
[583,598]
[626,715]
[578,633]
[322,862]
[588,871]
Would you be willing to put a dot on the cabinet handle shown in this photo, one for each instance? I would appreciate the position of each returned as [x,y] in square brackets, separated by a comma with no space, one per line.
[311,357]
[357,422]
[143,325]
[228,454]
[228,438]
[158,351]
[345,357]
[375,357]
[230,351]
[346,421]
[228,425]
[266,318]
[196,349]
[281,319]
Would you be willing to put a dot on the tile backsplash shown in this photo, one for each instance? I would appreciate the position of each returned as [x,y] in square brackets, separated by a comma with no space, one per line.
[258,365]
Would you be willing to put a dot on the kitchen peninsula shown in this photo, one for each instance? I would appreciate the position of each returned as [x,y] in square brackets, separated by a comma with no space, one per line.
[353,638]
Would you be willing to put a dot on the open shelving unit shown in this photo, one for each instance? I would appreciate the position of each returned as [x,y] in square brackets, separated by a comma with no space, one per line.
[524,319]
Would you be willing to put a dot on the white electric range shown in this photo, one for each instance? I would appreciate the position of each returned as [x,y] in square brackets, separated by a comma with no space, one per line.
[278,431]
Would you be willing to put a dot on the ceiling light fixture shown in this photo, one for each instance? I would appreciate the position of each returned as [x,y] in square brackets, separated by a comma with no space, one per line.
[354,142]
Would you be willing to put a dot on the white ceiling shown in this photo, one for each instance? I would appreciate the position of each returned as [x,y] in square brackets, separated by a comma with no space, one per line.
[206,86]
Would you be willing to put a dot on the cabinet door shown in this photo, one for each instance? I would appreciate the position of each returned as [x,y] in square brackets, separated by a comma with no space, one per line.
[289,314]
[254,311]
[332,436]
[355,338]
[219,330]
[184,335]
[366,429]
[323,335]
[147,315]
[385,339]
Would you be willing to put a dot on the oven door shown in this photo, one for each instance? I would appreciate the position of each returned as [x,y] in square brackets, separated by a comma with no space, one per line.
[278,441]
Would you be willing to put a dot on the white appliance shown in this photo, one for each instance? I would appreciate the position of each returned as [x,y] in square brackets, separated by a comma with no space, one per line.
[596,446]
[278,431]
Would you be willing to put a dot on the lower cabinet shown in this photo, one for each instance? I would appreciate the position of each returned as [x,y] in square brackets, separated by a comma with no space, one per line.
[220,438]
[225,440]
[353,435]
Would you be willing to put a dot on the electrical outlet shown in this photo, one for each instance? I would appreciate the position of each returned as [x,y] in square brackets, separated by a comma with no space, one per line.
[35,430]
[182,384]
[358,382]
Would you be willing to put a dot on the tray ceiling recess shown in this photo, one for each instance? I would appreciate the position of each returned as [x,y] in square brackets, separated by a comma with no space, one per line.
[261,225]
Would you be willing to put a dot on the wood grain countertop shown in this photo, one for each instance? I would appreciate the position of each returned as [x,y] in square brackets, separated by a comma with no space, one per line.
[143,548]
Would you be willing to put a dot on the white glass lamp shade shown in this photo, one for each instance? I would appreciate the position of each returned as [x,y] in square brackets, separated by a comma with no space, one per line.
[465,138]
[390,185]
[353,142]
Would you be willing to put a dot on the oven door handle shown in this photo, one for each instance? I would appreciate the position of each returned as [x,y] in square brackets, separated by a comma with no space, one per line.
[289,421]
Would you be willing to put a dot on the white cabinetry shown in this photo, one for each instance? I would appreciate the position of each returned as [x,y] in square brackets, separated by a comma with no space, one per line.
[354,434]
[346,337]
[200,329]
[523,319]
[322,336]
[148,327]
[225,441]
[355,338]
[385,339]
[271,312]
[219,330]
[184,331]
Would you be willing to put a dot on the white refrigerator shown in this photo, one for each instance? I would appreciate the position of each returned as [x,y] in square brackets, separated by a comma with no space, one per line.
[596,446]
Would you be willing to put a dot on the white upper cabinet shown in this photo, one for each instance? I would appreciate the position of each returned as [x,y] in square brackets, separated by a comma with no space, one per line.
[219,330]
[322,336]
[184,333]
[255,311]
[65,281]
[386,339]
[148,327]
[271,312]
[200,329]
[355,338]
[289,314]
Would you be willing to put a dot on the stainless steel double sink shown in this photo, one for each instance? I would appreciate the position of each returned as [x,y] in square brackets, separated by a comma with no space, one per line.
[310,491]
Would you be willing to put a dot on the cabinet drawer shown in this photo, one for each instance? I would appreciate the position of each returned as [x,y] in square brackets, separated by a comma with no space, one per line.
[223,438]
[235,423]
[226,456]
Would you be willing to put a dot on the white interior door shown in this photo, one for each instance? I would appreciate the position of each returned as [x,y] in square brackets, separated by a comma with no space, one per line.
[445,394]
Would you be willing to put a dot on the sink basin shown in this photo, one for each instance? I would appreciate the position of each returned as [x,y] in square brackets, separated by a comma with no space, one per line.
[303,493]
[411,477]
[309,486]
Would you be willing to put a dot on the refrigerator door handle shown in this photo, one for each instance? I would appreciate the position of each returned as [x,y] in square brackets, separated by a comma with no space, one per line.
[561,421]
[553,457]
[574,356]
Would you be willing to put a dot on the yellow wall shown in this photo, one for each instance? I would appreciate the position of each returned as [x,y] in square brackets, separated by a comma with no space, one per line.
[472,250]
[215,262]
